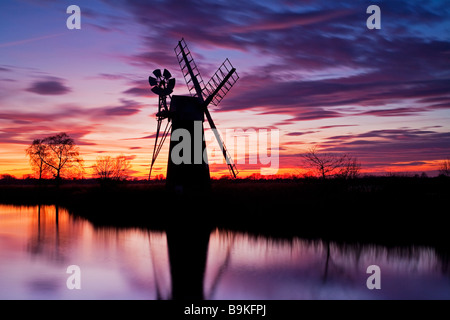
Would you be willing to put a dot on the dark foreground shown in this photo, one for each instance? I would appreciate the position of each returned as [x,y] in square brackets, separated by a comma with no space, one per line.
[385,210]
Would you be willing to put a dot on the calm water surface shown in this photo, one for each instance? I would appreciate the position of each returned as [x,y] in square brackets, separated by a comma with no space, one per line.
[38,243]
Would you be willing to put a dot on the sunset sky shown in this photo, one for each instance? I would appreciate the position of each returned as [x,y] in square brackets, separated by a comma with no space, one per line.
[310,69]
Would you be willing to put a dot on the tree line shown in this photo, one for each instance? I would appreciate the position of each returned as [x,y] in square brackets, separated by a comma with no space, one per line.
[58,157]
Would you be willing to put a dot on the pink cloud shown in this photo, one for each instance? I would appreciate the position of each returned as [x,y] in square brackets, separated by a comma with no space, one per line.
[51,86]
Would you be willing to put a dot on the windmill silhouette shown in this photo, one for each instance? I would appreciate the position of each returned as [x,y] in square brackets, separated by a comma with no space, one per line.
[188,113]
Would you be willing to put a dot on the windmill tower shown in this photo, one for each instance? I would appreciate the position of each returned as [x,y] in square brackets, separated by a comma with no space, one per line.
[187,113]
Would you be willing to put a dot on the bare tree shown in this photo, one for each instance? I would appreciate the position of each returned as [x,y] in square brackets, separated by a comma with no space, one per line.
[58,154]
[108,168]
[103,168]
[324,164]
[37,152]
[350,168]
[444,167]
[122,168]
[330,164]
[63,154]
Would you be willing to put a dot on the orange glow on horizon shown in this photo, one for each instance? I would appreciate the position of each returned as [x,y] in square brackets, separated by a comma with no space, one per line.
[283,173]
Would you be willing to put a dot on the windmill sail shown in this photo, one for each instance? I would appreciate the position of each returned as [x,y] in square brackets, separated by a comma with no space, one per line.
[189,69]
[225,71]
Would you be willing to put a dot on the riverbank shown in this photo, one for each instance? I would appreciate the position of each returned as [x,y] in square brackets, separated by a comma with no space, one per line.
[385,210]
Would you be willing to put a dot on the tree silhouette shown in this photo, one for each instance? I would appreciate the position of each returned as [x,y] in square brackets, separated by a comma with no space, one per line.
[108,168]
[328,164]
[37,152]
[7,177]
[349,168]
[58,154]
[323,163]
[444,167]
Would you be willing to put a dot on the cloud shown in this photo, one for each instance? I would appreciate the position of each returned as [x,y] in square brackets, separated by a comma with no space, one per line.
[386,147]
[139,92]
[338,126]
[396,112]
[316,115]
[126,108]
[320,57]
[298,133]
[51,86]
[285,20]
[132,157]
[65,112]
[21,117]
[151,136]
[15,43]
[110,76]
[25,134]
[317,98]
[155,58]
[412,163]
[62,112]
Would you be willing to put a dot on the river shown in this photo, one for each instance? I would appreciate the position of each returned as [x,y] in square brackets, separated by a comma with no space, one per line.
[39,243]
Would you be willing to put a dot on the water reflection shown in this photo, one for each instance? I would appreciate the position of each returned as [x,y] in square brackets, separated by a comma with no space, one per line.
[261,268]
[188,249]
[38,243]
[45,233]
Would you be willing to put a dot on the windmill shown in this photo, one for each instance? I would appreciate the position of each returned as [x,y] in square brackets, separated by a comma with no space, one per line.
[187,112]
